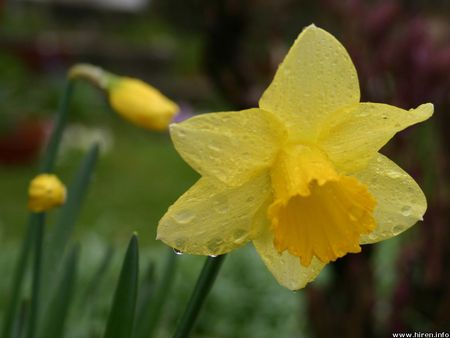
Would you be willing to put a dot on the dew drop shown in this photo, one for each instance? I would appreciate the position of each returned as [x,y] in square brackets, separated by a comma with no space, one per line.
[177,252]
[240,236]
[385,233]
[213,148]
[406,210]
[397,229]
[372,236]
[213,256]
[181,133]
[221,206]
[393,174]
[184,216]
[215,244]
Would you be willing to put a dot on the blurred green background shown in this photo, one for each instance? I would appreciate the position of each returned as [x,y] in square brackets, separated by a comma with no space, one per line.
[218,56]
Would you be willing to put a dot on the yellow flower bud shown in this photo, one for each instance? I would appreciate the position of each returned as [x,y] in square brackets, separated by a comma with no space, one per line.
[45,192]
[133,99]
[141,104]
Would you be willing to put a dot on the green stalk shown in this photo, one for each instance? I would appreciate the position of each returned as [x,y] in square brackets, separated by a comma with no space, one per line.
[153,304]
[121,318]
[19,272]
[48,161]
[204,284]
[35,291]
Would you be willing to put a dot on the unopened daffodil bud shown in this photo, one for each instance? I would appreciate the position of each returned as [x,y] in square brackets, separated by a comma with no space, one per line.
[141,104]
[133,99]
[45,192]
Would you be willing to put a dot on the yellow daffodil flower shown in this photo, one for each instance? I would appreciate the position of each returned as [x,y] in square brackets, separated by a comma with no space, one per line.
[133,99]
[45,192]
[301,175]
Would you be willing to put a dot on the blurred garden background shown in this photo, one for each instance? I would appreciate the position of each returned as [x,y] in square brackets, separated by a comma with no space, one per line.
[218,56]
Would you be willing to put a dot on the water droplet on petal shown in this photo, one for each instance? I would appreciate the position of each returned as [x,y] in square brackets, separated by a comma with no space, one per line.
[213,148]
[393,174]
[240,236]
[372,236]
[406,210]
[177,252]
[397,229]
[221,206]
[181,133]
[385,233]
[184,216]
[213,256]
[215,245]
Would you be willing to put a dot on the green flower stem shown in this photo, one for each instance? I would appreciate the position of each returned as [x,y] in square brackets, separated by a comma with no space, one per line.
[204,284]
[39,228]
[19,273]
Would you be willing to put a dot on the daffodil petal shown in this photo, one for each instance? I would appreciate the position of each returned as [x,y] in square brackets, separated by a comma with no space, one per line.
[400,201]
[212,218]
[286,268]
[353,136]
[230,146]
[316,78]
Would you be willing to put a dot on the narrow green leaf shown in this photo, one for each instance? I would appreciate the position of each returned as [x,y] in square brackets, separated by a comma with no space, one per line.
[37,275]
[22,317]
[9,323]
[87,300]
[121,317]
[60,234]
[152,303]
[145,296]
[48,160]
[204,284]
[96,280]
[56,314]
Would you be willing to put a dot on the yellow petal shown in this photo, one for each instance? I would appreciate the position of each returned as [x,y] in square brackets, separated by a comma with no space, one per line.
[353,136]
[212,218]
[316,78]
[400,201]
[286,268]
[231,146]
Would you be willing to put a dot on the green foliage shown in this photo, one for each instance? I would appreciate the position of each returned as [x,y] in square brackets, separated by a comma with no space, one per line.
[54,275]
[121,318]
[53,322]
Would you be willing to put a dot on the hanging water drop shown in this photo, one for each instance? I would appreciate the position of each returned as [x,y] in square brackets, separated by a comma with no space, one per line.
[177,252]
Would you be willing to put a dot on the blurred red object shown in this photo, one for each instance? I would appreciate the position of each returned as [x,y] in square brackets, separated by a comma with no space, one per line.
[22,144]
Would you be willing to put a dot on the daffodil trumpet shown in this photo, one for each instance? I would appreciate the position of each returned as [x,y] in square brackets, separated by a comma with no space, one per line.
[133,99]
[300,176]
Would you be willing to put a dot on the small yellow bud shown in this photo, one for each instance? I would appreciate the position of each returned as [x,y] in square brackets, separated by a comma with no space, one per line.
[141,104]
[133,99]
[45,192]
